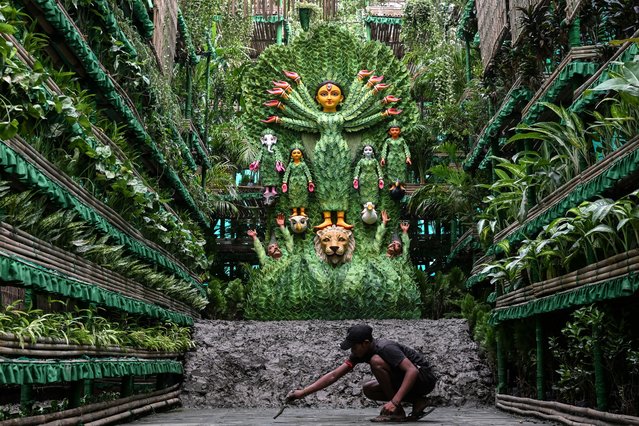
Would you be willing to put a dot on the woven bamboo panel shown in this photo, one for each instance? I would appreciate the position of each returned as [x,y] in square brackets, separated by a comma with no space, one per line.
[329,8]
[264,34]
[9,294]
[165,34]
[516,14]
[267,8]
[492,23]
[239,7]
[389,34]
[572,9]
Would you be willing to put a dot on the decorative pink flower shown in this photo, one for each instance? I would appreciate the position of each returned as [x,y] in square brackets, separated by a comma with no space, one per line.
[282,85]
[277,91]
[389,99]
[380,87]
[293,76]
[362,74]
[374,80]
[274,103]
[393,111]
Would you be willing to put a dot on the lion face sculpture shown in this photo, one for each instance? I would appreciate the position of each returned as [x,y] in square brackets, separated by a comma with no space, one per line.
[335,245]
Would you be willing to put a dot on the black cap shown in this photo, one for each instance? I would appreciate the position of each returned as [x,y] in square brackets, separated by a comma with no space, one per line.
[357,334]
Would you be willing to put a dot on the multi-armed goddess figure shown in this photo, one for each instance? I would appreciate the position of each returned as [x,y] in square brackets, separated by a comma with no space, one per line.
[332,163]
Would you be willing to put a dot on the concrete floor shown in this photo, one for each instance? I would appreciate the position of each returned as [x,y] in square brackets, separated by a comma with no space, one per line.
[449,416]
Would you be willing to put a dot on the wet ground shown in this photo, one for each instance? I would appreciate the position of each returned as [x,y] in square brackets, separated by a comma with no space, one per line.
[450,416]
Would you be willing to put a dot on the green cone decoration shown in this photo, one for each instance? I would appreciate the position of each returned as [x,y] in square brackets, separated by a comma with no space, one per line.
[300,285]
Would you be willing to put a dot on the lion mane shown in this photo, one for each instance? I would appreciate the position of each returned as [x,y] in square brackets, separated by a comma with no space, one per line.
[334,245]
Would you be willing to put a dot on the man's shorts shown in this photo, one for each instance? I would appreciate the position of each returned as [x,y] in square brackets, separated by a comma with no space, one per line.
[423,386]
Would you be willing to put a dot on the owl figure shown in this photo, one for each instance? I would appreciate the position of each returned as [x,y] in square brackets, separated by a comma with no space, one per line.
[299,224]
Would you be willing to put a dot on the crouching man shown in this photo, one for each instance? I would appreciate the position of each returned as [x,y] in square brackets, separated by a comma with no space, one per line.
[401,375]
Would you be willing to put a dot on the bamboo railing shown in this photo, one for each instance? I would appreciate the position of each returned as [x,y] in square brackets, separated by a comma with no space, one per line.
[24,246]
[104,412]
[561,413]
[575,54]
[47,347]
[572,9]
[615,266]
[561,192]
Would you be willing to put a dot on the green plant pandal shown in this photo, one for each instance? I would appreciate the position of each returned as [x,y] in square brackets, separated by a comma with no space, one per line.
[591,232]
[28,211]
[47,116]
[87,327]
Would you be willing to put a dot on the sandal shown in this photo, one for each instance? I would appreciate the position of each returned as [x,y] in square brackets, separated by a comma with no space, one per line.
[385,418]
[412,417]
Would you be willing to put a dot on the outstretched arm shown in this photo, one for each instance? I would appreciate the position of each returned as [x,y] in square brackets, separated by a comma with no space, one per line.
[369,120]
[324,381]
[288,238]
[381,229]
[257,246]
[405,240]
[292,123]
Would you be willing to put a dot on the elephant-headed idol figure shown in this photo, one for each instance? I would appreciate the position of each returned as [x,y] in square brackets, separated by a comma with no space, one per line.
[269,162]
[362,109]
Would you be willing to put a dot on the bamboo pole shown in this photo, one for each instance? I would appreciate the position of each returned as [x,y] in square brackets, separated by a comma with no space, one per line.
[86,416]
[134,412]
[62,350]
[572,409]
[558,417]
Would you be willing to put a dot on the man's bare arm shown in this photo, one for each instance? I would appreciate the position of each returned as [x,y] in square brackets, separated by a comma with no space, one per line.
[324,381]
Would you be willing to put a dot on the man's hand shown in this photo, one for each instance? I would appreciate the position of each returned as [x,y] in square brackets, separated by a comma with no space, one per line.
[410,163]
[404,225]
[388,408]
[295,394]
[252,233]
[280,220]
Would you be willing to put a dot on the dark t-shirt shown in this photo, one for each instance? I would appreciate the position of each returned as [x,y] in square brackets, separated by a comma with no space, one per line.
[393,353]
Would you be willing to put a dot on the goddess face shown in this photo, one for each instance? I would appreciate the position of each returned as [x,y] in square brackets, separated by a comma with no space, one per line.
[296,155]
[394,132]
[329,97]
[368,151]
